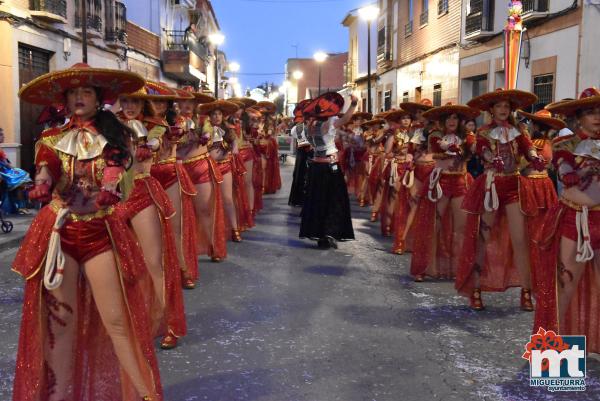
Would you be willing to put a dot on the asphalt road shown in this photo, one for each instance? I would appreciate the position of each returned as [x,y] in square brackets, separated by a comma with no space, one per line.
[283,321]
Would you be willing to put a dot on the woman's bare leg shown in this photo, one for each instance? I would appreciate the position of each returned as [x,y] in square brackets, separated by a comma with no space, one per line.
[61,310]
[228,205]
[147,227]
[486,222]
[569,274]
[263,161]
[248,177]
[203,204]
[174,194]
[103,276]
[520,243]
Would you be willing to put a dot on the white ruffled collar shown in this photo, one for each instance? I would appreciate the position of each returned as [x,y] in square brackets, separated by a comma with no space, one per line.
[504,135]
[588,148]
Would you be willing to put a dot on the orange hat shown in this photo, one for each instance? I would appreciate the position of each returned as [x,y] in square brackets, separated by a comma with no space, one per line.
[153,91]
[266,106]
[201,97]
[395,115]
[589,98]
[413,107]
[226,107]
[438,113]
[372,123]
[327,105]
[49,89]
[361,114]
[544,117]
[518,99]
[246,101]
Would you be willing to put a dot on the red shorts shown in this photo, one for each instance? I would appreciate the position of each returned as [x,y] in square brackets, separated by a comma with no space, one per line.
[201,169]
[422,171]
[224,166]
[455,185]
[247,154]
[165,172]
[568,226]
[83,240]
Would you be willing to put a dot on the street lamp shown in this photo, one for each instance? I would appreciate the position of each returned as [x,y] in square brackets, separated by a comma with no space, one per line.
[217,40]
[234,67]
[297,74]
[320,57]
[369,14]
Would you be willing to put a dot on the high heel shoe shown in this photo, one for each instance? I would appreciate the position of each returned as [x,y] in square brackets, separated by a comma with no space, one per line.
[419,278]
[476,302]
[399,250]
[146,398]
[235,236]
[374,217]
[169,341]
[387,231]
[526,304]
[188,284]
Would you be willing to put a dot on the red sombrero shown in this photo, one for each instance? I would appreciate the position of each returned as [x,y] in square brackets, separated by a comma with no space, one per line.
[413,107]
[327,105]
[49,89]
[395,115]
[438,113]
[201,97]
[266,106]
[298,116]
[226,107]
[372,123]
[153,91]
[361,115]
[589,98]
[253,111]
[518,99]
[246,101]
[544,117]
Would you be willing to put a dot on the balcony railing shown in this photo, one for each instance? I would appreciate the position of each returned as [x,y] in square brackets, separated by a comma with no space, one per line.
[442,7]
[408,29]
[185,41]
[535,6]
[93,22]
[116,35]
[424,18]
[56,7]
[480,18]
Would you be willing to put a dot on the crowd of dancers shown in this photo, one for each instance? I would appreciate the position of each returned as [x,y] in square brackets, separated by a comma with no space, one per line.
[137,180]
[515,203]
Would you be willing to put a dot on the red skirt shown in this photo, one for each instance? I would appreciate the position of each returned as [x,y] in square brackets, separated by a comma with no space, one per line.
[257,180]
[92,377]
[273,175]
[499,272]
[583,314]
[240,196]
[146,192]
[434,253]
[202,169]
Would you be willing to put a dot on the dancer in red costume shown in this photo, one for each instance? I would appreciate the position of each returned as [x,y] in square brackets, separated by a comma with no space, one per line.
[355,150]
[373,135]
[397,177]
[85,332]
[495,254]
[243,183]
[541,126]
[221,147]
[439,233]
[269,150]
[177,183]
[256,125]
[376,179]
[206,176]
[568,291]
[150,210]
[423,160]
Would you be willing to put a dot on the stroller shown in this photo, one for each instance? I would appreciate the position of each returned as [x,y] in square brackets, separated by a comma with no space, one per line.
[5,225]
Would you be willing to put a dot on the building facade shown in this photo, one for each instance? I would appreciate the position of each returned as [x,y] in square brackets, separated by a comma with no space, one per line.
[428,50]
[559,50]
[356,67]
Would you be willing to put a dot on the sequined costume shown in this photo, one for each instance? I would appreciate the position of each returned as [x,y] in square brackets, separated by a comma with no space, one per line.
[81,163]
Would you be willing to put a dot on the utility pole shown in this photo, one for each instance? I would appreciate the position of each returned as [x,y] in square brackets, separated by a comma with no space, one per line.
[84,31]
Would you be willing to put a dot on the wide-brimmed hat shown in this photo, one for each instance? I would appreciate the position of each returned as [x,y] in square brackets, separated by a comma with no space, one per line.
[381,115]
[49,89]
[544,117]
[153,91]
[372,123]
[413,107]
[361,114]
[327,105]
[252,110]
[518,99]
[201,97]
[588,99]
[226,107]
[395,115]
[438,113]
[246,101]
[266,106]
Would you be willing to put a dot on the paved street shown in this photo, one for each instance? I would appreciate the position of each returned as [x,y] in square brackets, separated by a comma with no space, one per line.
[283,321]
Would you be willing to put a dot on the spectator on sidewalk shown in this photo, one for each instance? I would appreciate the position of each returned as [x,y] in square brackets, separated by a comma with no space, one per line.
[13,184]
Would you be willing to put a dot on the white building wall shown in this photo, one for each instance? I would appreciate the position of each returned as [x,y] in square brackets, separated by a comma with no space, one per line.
[589,69]
[362,35]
